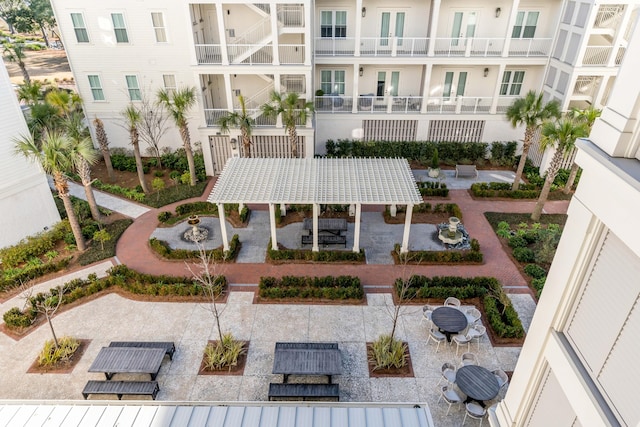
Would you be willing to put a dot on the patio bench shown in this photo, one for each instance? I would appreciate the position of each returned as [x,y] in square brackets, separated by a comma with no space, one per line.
[307,345]
[304,391]
[168,346]
[466,171]
[326,240]
[120,388]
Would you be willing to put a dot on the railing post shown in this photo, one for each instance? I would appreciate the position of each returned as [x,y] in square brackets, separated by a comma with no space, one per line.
[394,45]
[467,47]
[458,104]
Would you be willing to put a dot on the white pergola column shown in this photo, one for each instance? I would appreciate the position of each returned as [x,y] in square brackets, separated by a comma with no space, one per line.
[407,227]
[316,212]
[356,229]
[433,26]
[223,227]
[272,223]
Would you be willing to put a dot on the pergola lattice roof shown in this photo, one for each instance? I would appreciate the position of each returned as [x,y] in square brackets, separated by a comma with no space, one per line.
[314,180]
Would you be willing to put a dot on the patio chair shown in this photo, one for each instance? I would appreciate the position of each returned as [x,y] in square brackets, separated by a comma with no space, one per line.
[450,396]
[452,302]
[461,340]
[437,336]
[475,411]
[473,315]
[503,379]
[468,359]
[448,373]
[427,311]
[476,332]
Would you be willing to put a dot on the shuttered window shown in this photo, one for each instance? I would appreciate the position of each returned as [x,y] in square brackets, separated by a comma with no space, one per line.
[157,18]
[79,28]
[119,28]
[96,88]
[134,89]
[552,407]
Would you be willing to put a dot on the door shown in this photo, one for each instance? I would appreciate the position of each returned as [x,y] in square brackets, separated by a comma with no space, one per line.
[391,25]
[220,151]
[454,85]
[463,27]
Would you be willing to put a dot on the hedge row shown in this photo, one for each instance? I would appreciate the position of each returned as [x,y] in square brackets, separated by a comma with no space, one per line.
[33,246]
[329,287]
[320,256]
[503,189]
[30,273]
[442,257]
[201,208]
[433,189]
[500,313]
[162,248]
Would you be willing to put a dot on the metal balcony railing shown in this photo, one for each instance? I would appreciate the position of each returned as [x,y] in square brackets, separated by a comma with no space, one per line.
[208,54]
[291,53]
[596,55]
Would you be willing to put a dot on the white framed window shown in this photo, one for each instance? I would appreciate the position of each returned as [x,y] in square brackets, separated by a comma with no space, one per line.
[169,83]
[79,28]
[157,19]
[333,24]
[119,28]
[96,87]
[511,82]
[525,26]
[133,88]
[332,81]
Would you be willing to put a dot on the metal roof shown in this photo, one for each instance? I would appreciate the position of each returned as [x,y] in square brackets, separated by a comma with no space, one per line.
[316,180]
[153,414]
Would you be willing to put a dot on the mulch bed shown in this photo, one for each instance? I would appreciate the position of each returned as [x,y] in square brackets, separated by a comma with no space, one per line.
[64,367]
[405,372]
[235,370]
[297,216]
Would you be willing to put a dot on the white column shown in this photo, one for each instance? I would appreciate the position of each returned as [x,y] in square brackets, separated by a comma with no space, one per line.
[496,89]
[425,86]
[356,229]
[308,38]
[316,212]
[356,87]
[276,88]
[597,99]
[275,43]
[619,38]
[513,13]
[222,34]
[433,30]
[407,227]
[228,91]
[272,223]
[223,227]
[358,29]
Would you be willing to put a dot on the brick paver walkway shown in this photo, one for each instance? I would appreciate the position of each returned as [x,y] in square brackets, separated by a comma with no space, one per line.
[134,251]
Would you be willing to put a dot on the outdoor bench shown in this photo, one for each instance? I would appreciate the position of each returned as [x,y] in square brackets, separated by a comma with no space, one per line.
[466,170]
[307,345]
[326,240]
[168,346]
[120,388]
[304,391]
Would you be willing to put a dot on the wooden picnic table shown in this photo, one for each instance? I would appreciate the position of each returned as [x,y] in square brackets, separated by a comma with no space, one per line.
[130,360]
[307,359]
[449,320]
[329,225]
[477,383]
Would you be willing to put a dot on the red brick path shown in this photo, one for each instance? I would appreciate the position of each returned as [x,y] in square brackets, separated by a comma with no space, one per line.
[133,250]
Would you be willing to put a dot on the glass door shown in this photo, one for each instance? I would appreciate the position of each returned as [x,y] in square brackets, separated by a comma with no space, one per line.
[463,27]
[454,84]
[391,25]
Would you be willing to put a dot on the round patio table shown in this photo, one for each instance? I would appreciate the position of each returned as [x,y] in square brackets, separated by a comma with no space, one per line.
[449,320]
[477,383]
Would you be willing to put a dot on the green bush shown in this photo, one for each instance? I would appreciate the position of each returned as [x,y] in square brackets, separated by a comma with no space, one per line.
[162,248]
[10,281]
[33,246]
[329,287]
[129,193]
[517,242]
[387,352]
[433,189]
[15,318]
[174,194]
[503,154]
[196,207]
[535,271]
[441,257]
[504,320]
[524,255]
[95,252]
[320,256]
[123,162]
[164,216]
[538,285]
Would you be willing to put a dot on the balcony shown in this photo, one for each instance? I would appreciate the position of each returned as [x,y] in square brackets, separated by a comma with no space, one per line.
[596,55]
[250,54]
[213,114]
[609,16]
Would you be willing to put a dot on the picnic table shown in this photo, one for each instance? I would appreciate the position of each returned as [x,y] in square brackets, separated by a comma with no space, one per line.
[326,225]
[130,360]
[477,383]
[449,320]
[307,359]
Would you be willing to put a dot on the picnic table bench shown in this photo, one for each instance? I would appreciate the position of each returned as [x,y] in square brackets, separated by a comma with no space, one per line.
[168,346]
[466,170]
[303,391]
[324,239]
[307,345]
[120,388]
[113,360]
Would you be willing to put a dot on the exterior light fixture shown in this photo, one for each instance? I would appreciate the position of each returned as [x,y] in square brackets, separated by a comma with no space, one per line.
[361,71]
[234,143]
[364,12]
[486,72]
[498,10]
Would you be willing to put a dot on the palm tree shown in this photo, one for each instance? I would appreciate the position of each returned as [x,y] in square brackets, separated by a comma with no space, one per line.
[103,142]
[64,102]
[42,116]
[293,110]
[30,92]
[561,135]
[589,117]
[52,154]
[531,112]
[178,103]
[132,119]
[242,121]
[15,52]
[83,155]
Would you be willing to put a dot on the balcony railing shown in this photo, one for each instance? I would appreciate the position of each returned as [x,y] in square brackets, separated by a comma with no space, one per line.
[609,16]
[586,86]
[411,104]
[596,55]
[291,15]
[208,54]
[291,53]
[504,102]
[250,54]
[530,47]
[213,114]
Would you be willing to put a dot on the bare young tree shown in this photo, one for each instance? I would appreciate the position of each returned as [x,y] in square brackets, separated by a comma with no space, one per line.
[153,125]
[46,304]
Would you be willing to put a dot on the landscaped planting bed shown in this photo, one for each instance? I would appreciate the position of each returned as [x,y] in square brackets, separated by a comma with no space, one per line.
[471,256]
[424,213]
[315,288]
[163,249]
[238,219]
[284,255]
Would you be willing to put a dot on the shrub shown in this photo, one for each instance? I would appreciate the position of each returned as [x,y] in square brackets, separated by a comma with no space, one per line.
[517,242]
[173,194]
[129,193]
[95,252]
[535,271]
[433,189]
[524,255]
[387,352]
[223,354]
[538,285]
[158,173]
[33,246]
[163,249]
[15,318]
[196,207]
[321,256]
[503,189]
[185,178]
[52,355]
[24,275]
[442,257]
[164,216]
[329,287]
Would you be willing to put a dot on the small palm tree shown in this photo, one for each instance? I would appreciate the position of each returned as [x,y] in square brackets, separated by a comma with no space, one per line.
[64,101]
[531,112]
[589,117]
[83,155]
[132,119]
[42,116]
[559,134]
[293,109]
[30,92]
[242,121]
[15,52]
[52,154]
[178,103]
[103,142]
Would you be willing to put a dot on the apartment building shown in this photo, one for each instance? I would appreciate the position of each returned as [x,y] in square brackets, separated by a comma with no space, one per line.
[578,364]
[374,69]
[26,202]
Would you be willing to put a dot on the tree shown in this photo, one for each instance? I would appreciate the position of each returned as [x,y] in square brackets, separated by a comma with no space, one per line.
[157,184]
[47,304]
[83,155]
[9,10]
[63,101]
[153,125]
[103,142]
[178,103]
[30,92]
[102,236]
[42,16]
[589,117]
[132,119]
[242,121]
[531,112]
[52,154]
[561,135]
[15,52]
[293,110]
[42,116]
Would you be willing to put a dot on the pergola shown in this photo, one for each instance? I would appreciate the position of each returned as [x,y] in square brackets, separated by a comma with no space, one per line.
[316,181]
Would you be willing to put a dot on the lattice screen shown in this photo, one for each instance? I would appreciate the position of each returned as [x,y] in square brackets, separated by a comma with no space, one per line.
[456,130]
[390,130]
[270,146]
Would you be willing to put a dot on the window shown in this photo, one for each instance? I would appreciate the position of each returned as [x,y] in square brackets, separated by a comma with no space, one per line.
[96,88]
[78,27]
[511,82]
[119,28]
[583,14]
[134,89]
[449,84]
[568,12]
[333,24]
[562,39]
[169,81]
[157,18]
[332,81]
[525,28]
